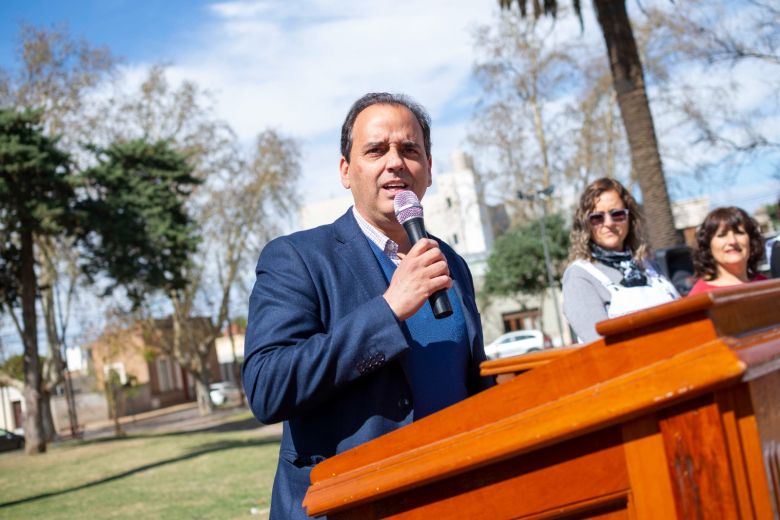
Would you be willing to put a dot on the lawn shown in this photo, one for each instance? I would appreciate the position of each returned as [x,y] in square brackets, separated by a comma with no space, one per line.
[218,473]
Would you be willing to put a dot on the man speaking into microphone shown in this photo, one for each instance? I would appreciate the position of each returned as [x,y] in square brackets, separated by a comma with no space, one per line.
[341,343]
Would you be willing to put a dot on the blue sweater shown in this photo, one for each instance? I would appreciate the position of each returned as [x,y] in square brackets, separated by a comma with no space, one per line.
[437,361]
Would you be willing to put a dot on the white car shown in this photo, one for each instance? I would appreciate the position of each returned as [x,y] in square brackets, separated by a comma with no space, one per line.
[224,392]
[517,342]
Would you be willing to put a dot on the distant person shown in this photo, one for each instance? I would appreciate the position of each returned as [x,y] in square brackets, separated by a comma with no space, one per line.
[774,258]
[729,248]
[341,343]
[610,273]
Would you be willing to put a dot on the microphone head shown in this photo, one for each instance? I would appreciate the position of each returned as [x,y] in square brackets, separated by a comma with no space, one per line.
[407,206]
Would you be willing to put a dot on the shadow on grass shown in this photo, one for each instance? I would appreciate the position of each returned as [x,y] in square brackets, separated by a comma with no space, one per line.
[226,427]
[202,450]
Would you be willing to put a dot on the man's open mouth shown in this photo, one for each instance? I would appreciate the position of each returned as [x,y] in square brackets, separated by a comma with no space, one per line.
[395,186]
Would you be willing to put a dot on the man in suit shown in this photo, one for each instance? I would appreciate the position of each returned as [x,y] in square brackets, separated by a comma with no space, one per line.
[341,344]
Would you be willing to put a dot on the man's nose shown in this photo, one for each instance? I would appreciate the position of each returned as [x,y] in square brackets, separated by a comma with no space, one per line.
[394,159]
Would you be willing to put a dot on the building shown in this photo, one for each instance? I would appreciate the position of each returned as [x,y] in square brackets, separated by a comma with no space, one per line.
[11,409]
[230,353]
[152,378]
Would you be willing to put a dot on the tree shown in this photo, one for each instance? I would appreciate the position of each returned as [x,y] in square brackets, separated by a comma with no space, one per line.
[242,200]
[160,111]
[115,342]
[141,235]
[516,264]
[245,207]
[36,197]
[718,129]
[629,84]
[13,372]
[56,73]
[523,77]
[137,229]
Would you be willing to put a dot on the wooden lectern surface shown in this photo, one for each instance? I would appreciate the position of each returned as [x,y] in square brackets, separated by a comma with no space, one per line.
[669,415]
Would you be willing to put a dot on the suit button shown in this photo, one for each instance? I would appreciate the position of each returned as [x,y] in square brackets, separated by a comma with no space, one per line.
[403,403]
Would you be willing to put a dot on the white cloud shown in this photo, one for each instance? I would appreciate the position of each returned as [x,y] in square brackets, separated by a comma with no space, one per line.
[298,67]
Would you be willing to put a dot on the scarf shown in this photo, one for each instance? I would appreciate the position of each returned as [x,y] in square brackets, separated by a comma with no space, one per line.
[623,261]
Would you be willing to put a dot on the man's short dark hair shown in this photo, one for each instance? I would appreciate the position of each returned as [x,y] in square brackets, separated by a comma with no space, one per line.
[383,98]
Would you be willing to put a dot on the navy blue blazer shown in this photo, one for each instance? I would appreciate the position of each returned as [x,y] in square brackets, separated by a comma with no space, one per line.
[322,347]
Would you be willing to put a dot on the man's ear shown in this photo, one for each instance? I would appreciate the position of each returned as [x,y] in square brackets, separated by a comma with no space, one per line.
[344,171]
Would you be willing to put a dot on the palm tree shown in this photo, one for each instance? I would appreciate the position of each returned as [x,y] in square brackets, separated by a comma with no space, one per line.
[629,83]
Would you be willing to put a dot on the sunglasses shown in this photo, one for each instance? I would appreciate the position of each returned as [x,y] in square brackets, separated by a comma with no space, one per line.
[597,218]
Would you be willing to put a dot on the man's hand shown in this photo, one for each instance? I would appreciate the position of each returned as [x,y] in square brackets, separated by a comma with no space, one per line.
[422,272]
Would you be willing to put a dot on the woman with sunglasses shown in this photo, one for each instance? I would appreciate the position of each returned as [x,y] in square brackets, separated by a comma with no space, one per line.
[729,249]
[609,274]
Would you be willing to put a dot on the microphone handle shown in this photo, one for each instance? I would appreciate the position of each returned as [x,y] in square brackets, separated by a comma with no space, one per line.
[439,301]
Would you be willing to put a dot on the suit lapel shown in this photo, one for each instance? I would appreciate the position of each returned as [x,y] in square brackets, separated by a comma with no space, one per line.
[356,254]
[468,315]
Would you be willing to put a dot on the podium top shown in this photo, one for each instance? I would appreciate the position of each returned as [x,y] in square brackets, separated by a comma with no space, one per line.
[646,361]
[732,310]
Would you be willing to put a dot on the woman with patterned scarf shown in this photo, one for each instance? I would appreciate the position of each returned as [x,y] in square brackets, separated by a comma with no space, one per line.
[610,272]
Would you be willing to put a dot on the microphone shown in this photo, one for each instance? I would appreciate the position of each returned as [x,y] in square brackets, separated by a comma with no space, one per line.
[409,213]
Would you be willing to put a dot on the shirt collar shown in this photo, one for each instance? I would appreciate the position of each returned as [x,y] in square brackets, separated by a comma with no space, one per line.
[388,246]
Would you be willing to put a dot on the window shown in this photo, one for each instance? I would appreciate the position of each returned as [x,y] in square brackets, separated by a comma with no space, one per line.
[164,374]
[521,320]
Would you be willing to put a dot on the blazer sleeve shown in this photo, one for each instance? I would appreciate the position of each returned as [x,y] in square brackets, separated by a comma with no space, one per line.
[293,360]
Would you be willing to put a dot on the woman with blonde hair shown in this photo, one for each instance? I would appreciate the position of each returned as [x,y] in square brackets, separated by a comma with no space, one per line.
[610,273]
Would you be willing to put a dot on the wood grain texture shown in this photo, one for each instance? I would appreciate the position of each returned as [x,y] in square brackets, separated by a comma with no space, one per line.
[698,460]
[517,364]
[760,436]
[686,393]
[588,476]
[653,386]
[580,369]
[732,310]
[651,485]
[727,404]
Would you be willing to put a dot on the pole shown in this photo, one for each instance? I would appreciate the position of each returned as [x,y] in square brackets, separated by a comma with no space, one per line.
[550,278]
[544,195]
[69,397]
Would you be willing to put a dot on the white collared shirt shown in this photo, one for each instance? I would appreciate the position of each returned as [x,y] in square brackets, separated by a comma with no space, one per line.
[384,243]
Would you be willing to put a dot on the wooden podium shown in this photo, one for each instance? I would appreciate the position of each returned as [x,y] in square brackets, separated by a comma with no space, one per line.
[674,414]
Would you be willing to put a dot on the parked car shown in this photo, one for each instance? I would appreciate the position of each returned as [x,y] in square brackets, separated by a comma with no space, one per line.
[10,440]
[518,342]
[224,392]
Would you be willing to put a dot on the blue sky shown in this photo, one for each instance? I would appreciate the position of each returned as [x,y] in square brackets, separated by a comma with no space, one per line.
[293,66]
[135,30]
[297,66]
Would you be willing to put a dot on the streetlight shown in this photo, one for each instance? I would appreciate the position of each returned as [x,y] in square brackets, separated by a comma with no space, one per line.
[544,195]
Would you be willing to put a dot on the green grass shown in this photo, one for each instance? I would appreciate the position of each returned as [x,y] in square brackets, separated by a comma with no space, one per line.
[208,474]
